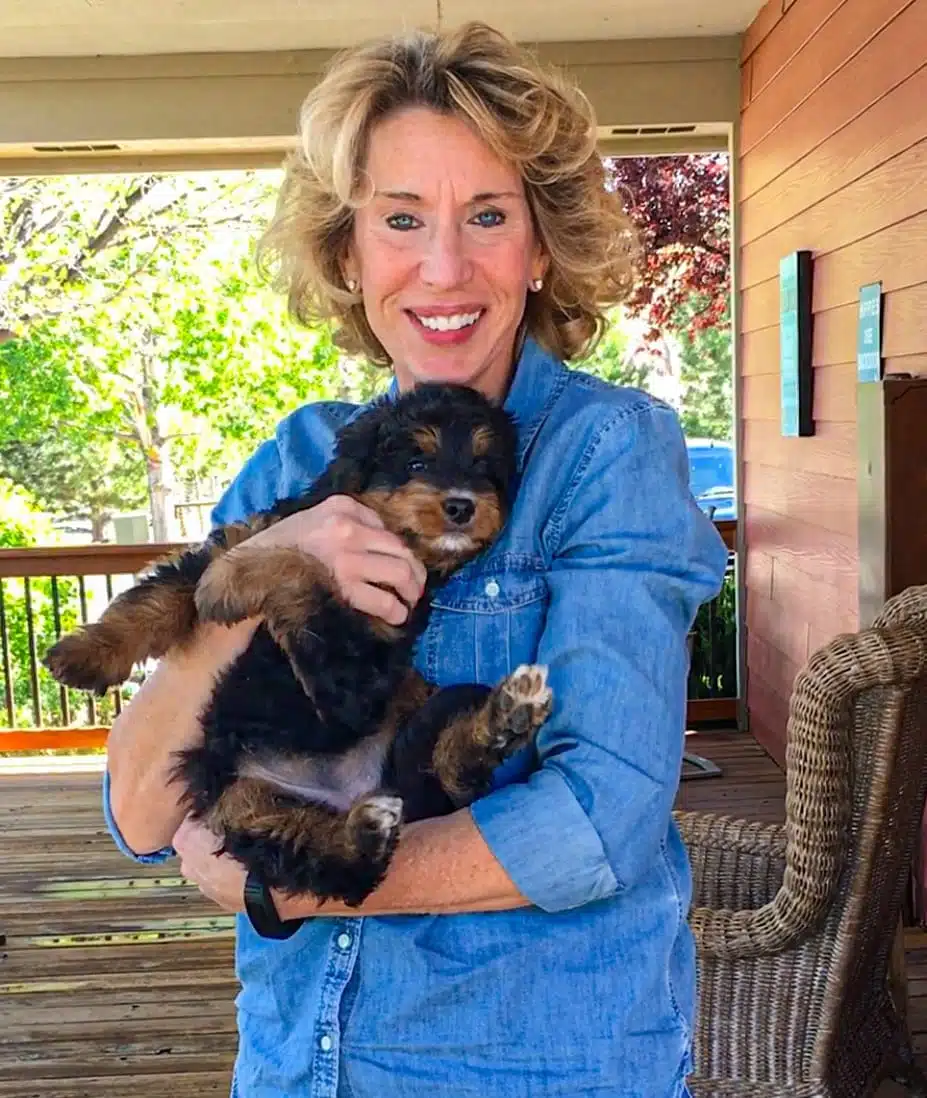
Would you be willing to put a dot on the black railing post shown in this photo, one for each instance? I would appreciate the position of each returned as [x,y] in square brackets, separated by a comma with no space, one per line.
[33,656]
[82,590]
[117,690]
[7,662]
[56,611]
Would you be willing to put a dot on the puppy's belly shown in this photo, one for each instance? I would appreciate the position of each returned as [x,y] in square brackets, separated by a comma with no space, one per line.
[333,780]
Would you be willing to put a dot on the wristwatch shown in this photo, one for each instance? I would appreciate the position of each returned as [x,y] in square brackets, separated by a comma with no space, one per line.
[262,912]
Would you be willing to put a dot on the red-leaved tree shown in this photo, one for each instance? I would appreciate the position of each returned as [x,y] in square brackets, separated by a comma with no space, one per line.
[681,208]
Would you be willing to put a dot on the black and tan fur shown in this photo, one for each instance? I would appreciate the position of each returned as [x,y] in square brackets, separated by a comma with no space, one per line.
[321,738]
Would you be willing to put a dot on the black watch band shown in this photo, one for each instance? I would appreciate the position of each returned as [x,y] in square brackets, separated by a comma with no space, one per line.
[262,912]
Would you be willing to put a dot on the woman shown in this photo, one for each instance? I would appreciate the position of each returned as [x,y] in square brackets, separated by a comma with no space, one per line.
[448,209]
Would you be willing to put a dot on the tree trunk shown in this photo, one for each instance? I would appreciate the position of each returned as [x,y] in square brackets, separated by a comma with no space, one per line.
[160,495]
[98,526]
[143,405]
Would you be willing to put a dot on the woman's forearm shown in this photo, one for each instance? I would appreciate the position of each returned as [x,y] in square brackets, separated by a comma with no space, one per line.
[440,866]
[163,718]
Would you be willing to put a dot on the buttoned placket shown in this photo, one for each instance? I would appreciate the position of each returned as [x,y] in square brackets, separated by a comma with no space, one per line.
[344,945]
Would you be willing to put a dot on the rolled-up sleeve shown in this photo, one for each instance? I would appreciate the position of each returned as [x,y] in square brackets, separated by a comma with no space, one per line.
[155,857]
[631,560]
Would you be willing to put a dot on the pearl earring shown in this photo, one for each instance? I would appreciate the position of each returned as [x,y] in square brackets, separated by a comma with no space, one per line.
[351,284]
[536,284]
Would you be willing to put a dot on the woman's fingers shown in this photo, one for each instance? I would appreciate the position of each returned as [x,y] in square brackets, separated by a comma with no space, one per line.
[376,602]
[382,544]
[375,570]
[347,505]
[399,574]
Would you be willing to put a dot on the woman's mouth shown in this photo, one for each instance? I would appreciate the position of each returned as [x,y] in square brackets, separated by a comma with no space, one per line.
[446,327]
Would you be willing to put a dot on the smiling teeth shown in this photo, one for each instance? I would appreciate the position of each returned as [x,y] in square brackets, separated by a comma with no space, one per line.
[449,323]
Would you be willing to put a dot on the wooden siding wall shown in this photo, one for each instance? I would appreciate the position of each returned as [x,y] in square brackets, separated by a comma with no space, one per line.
[833,158]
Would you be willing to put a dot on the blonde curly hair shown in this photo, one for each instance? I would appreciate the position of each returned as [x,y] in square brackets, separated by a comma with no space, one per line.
[529,117]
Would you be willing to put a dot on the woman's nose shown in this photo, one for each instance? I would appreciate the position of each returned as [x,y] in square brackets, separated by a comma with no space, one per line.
[445,263]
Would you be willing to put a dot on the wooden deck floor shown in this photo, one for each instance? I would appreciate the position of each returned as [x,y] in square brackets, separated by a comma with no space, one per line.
[116,980]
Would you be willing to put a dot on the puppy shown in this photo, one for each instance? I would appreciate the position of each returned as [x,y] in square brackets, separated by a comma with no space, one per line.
[321,738]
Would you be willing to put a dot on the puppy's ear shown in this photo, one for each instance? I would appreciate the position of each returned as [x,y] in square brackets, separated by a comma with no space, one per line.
[342,477]
[352,466]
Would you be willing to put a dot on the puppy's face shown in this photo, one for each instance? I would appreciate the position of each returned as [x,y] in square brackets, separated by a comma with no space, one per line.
[440,472]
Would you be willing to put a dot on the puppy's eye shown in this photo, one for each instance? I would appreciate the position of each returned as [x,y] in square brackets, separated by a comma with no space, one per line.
[416,465]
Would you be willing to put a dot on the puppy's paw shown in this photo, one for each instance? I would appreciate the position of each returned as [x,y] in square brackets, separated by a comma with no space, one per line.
[374,824]
[84,660]
[521,703]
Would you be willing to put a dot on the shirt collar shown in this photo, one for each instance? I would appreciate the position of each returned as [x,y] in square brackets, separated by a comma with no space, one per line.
[536,383]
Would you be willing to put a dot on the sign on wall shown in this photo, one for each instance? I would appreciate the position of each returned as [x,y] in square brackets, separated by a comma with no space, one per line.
[795,344]
[869,333]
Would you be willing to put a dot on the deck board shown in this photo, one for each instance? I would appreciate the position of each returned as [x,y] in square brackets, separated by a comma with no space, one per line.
[117,979]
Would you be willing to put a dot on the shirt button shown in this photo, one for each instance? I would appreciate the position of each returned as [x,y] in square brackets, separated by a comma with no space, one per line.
[344,941]
[325,1044]
[492,589]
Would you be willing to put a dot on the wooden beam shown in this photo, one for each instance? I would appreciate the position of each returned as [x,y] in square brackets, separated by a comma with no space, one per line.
[81,560]
[711,711]
[52,739]
[727,528]
[699,711]
[202,104]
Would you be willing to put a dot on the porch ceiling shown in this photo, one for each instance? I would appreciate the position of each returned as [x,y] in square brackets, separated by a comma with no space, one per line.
[67,28]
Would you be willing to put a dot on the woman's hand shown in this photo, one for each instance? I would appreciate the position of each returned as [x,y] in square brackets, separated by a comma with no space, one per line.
[375,571]
[220,877]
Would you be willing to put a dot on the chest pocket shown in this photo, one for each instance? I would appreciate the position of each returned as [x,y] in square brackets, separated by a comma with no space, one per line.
[483,625]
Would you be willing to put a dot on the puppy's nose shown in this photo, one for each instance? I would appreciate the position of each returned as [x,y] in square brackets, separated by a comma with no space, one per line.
[459,509]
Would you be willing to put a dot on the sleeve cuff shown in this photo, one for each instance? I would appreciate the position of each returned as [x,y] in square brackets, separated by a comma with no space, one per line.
[545,842]
[156,858]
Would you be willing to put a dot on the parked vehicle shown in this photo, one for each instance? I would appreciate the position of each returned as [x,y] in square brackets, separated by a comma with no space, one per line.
[711,476]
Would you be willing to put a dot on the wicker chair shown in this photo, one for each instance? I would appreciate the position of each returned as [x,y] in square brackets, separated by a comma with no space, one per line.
[795,924]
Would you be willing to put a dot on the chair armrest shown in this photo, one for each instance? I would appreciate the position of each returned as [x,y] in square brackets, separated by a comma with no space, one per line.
[742,903]
[736,864]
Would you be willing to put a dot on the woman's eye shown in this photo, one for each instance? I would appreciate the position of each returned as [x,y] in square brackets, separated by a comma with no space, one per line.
[416,465]
[402,221]
[489,219]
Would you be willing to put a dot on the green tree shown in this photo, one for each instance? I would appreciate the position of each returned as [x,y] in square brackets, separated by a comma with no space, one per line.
[609,358]
[133,313]
[51,444]
[707,377]
[138,348]
[239,364]
[21,524]
[72,244]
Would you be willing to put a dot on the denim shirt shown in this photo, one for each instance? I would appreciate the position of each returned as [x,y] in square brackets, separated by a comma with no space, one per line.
[590,990]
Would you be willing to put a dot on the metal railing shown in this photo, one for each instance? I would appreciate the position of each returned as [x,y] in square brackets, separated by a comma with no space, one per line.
[47,592]
[713,675]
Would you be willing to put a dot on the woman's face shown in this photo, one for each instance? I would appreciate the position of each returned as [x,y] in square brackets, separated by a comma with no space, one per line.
[444,252]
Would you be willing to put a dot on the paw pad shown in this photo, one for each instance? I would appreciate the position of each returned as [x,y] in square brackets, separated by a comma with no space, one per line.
[527,685]
[523,703]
